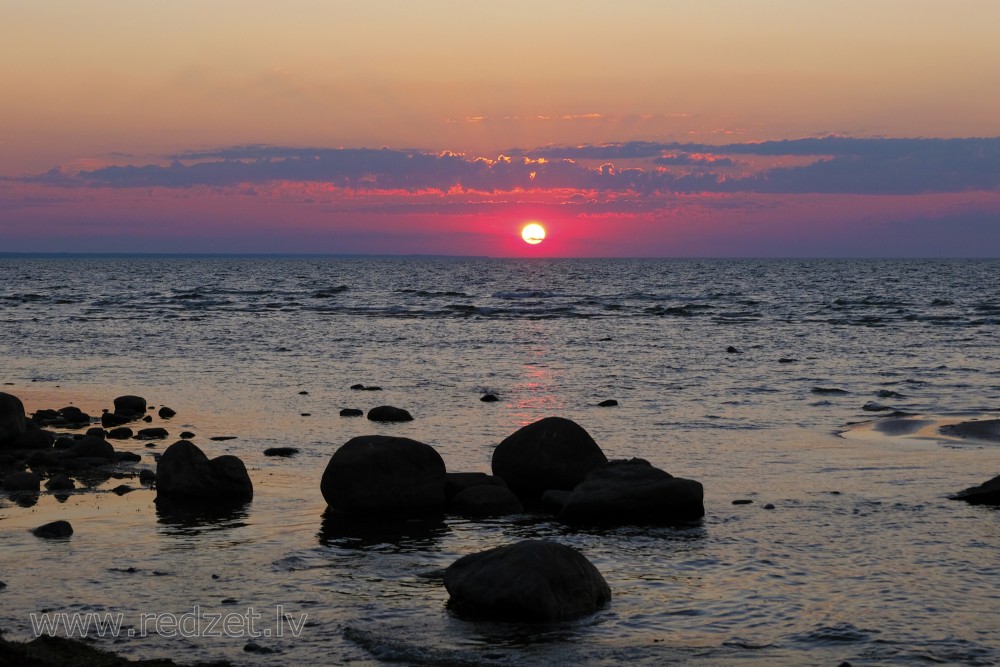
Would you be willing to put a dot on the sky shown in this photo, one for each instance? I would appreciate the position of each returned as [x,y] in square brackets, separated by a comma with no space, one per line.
[644,128]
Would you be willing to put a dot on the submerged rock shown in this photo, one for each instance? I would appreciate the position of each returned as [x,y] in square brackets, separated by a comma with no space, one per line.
[489,398]
[379,474]
[987,493]
[633,493]
[388,413]
[280,451]
[485,500]
[552,453]
[185,474]
[534,581]
[609,403]
[351,412]
[986,429]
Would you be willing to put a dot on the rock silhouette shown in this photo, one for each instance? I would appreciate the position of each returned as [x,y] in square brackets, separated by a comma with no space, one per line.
[185,474]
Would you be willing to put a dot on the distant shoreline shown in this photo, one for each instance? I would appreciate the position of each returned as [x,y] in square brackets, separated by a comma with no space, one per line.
[253,255]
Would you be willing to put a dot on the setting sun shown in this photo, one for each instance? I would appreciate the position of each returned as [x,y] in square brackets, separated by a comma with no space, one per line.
[533,233]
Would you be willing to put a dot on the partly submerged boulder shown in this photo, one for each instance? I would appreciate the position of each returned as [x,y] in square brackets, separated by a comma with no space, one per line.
[633,493]
[552,453]
[987,493]
[55,529]
[388,413]
[130,406]
[185,474]
[485,500]
[12,420]
[534,581]
[384,474]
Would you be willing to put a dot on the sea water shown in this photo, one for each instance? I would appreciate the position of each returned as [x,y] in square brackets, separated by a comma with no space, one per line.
[862,558]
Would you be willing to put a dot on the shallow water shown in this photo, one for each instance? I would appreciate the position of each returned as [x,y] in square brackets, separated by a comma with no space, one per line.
[862,559]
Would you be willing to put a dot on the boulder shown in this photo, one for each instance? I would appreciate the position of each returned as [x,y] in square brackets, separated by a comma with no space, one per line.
[34,437]
[633,493]
[22,481]
[381,474]
[185,474]
[388,413]
[456,482]
[552,453]
[12,420]
[987,493]
[111,419]
[485,500]
[91,447]
[535,581]
[130,405]
[54,530]
[60,483]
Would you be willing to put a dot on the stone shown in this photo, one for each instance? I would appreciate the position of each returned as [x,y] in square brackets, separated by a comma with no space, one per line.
[120,433]
[361,387]
[490,398]
[166,413]
[610,403]
[111,419]
[280,451]
[388,413]
[56,529]
[872,406]
[534,581]
[485,500]
[633,493]
[552,453]
[456,482]
[554,500]
[34,437]
[147,476]
[12,420]
[127,457]
[743,501]
[22,481]
[60,483]
[733,350]
[987,493]
[185,474]
[187,435]
[379,474]
[351,412]
[97,432]
[92,448]
[130,405]
[154,433]
[122,489]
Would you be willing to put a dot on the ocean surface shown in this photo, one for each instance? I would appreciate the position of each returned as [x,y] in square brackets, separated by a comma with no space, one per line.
[862,558]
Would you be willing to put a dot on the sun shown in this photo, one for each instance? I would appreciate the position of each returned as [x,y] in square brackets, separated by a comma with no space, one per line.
[533,233]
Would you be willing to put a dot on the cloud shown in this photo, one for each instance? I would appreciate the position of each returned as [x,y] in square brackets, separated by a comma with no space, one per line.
[832,165]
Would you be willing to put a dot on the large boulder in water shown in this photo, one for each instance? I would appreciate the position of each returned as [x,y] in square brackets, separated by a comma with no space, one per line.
[185,474]
[384,474]
[388,413]
[552,453]
[535,581]
[633,493]
[12,420]
[987,493]
[130,406]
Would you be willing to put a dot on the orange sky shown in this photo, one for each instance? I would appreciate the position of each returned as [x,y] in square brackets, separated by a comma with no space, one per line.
[119,82]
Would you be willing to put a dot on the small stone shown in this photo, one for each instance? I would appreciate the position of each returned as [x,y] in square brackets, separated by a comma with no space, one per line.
[122,489]
[220,438]
[149,433]
[742,501]
[303,393]
[280,451]
[733,350]
[490,398]
[120,433]
[187,435]
[351,412]
[55,529]
[305,414]
[388,413]
[166,413]
[769,506]
[610,403]
[147,476]
[147,419]
[22,481]
[787,360]
[254,647]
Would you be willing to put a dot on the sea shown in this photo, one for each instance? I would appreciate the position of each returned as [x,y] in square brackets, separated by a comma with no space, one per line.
[769,381]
